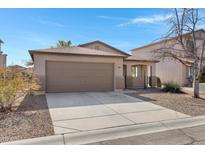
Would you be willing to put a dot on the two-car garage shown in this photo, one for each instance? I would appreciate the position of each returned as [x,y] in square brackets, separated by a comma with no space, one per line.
[79,76]
[78,69]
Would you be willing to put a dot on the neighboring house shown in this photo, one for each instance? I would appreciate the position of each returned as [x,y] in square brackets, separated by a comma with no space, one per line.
[167,69]
[2,56]
[94,66]
[18,68]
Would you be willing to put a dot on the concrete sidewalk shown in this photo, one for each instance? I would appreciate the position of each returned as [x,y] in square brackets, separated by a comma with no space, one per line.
[127,134]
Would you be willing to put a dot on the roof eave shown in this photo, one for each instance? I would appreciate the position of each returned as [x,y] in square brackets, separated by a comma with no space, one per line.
[31,52]
[143,60]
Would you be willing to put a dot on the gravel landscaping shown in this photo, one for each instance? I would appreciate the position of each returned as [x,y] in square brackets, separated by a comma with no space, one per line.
[179,102]
[31,119]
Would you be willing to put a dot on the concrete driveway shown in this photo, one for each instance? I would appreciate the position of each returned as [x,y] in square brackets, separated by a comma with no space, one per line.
[75,112]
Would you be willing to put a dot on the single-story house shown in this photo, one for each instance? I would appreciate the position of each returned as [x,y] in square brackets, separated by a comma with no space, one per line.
[93,66]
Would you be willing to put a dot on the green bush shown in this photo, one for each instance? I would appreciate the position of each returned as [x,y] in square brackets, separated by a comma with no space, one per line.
[171,87]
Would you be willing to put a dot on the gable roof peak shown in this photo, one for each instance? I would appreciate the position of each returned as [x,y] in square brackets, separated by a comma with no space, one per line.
[105,44]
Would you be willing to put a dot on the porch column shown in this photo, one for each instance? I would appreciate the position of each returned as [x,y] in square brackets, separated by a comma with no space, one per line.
[145,75]
[153,75]
[129,76]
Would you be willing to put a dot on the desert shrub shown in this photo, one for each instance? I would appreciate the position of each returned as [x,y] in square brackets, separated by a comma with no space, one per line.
[14,86]
[171,87]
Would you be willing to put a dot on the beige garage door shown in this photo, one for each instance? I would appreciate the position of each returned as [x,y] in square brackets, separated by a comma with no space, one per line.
[77,77]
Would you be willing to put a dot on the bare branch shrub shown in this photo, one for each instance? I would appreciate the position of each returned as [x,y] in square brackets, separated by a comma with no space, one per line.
[13,86]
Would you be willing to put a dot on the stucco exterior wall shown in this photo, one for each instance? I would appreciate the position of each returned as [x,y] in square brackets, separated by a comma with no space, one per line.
[41,58]
[170,70]
[141,80]
[99,46]
[167,69]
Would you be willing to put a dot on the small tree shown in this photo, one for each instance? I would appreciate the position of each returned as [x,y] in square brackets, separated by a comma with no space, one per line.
[182,42]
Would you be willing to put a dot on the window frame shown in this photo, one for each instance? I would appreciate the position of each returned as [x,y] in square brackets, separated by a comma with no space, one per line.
[134,71]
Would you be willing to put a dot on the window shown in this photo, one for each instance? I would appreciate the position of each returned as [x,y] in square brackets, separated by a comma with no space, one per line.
[190,71]
[134,71]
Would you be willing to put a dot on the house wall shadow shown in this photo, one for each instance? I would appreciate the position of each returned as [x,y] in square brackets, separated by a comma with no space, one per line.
[140,97]
[33,103]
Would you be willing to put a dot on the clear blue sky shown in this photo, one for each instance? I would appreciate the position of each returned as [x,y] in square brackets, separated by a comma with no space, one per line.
[24,29]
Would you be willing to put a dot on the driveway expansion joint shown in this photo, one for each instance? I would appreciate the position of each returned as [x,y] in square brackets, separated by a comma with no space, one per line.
[85,117]
[117,113]
[120,114]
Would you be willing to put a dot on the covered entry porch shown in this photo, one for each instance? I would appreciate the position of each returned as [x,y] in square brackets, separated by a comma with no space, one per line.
[139,73]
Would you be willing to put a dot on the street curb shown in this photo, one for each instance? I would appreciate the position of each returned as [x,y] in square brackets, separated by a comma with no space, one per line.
[112,133]
[47,140]
[132,130]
